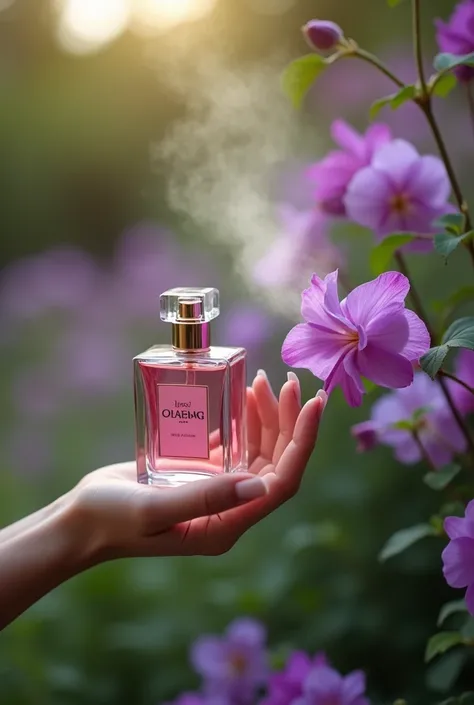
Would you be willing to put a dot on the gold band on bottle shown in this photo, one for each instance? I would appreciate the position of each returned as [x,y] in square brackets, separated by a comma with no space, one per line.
[190,332]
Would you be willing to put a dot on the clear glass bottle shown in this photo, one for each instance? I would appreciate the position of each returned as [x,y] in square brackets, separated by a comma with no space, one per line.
[190,397]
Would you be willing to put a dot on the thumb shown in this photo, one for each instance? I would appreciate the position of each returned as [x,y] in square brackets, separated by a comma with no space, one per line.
[202,498]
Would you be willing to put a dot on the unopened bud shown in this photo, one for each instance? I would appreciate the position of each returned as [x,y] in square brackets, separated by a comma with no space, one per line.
[322,35]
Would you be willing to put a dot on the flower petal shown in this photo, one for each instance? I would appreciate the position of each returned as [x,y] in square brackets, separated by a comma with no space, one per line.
[389,330]
[470,598]
[320,306]
[369,300]
[376,136]
[309,348]
[407,452]
[367,199]
[395,160]
[353,686]
[428,181]
[385,368]
[455,527]
[322,683]
[339,377]
[458,562]
[346,137]
[366,435]
[418,337]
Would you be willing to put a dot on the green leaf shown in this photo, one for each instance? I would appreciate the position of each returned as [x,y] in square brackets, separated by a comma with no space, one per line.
[467,629]
[446,62]
[454,222]
[441,478]
[395,100]
[442,642]
[460,334]
[382,254]
[403,539]
[450,608]
[394,3]
[444,85]
[443,674]
[299,76]
[434,358]
[404,426]
[445,243]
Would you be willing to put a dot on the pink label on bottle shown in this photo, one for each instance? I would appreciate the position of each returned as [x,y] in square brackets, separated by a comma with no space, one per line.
[183,421]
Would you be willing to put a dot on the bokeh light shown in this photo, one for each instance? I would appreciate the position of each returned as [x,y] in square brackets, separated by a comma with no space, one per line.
[151,16]
[88,25]
[5,4]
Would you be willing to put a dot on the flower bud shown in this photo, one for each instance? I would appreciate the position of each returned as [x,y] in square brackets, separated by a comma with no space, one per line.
[322,35]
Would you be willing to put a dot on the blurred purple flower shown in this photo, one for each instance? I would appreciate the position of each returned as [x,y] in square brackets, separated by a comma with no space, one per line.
[36,393]
[325,686]
[333,174]
[369,334]
[400,192]
[246,326]
[458,556]
[422,404]
[286,686]
[322,35]
[60,279]
[93,362]
[457,36]
[464,370]
[147,262]
[233,665]
[303,245]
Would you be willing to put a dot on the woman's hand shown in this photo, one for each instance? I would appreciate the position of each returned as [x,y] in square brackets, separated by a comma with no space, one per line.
[123,518]
[110,515]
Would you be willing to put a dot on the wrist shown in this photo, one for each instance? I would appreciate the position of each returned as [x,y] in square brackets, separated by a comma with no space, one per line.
[79,540]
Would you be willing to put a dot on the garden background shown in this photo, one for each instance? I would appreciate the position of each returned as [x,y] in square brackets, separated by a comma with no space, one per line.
[139,153]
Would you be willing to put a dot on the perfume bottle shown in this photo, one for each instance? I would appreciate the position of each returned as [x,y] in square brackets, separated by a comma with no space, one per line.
[190,397]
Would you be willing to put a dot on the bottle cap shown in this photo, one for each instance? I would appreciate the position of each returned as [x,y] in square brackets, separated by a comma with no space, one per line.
[189,304]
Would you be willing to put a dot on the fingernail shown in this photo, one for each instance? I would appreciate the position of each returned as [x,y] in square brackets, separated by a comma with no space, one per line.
[293,378]
[262,373]
[250,489]
[321,394]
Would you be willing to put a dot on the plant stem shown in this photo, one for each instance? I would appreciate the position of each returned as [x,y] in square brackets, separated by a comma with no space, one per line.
[470,100]
[425,104]
[415,297]
[372,59]
[449,375]
[422,449]
[418,47]
[418,306]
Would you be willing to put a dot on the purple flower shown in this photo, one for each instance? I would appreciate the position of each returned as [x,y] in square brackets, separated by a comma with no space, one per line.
[333,174]
[458,556]
[302,246]
[399,192]
[234,665]
[323,35]
[286,686]
[325,686]
[464,370]
[457,36]
[368,334]
[423,405]
[59,279]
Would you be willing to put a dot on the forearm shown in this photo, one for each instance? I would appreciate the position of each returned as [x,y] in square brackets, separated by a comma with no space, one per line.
[45,551]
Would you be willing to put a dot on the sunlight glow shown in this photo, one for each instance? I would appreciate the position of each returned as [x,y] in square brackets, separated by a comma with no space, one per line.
[161,15]
[87,25]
